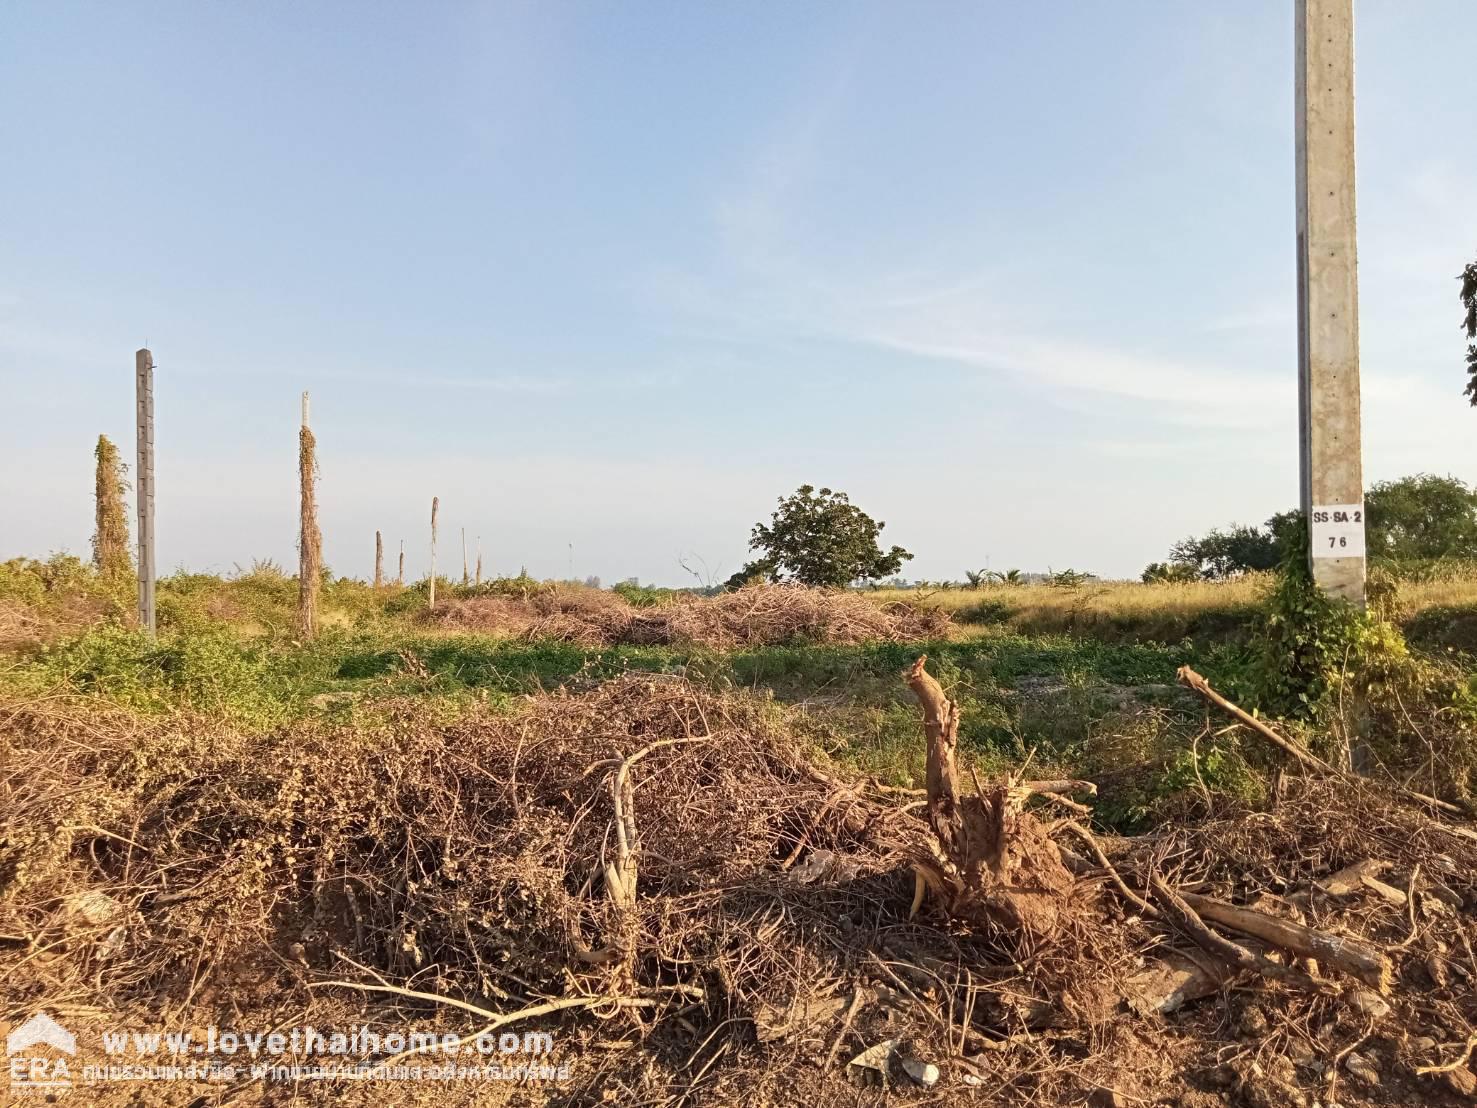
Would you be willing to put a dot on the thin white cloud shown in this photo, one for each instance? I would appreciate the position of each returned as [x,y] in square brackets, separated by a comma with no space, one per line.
[764,287]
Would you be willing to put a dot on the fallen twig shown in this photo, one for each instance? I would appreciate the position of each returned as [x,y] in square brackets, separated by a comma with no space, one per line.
[851,1010]
[1102,859]
[1456,1063]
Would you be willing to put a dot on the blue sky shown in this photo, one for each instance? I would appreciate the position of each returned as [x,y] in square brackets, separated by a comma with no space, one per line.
[1018,277]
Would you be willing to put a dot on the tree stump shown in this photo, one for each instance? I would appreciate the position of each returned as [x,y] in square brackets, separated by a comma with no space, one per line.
[994,865]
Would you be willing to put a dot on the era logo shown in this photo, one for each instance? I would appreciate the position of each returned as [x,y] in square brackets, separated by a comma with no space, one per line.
[32,1071]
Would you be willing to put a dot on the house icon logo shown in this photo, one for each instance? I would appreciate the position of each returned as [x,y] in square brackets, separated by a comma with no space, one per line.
[40,1030]
[35,1054]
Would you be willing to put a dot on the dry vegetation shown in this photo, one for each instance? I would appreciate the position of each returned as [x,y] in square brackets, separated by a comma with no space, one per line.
[692,887]
[700,912]
[761,615]
[1166,611]
[44,602]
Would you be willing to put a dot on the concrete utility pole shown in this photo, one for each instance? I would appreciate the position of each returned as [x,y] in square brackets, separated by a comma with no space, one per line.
[435,510]
[1328,297]
[143,363]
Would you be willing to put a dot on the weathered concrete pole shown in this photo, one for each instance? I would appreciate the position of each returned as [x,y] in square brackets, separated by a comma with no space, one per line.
[143,476]
[435,510]
[1328,297]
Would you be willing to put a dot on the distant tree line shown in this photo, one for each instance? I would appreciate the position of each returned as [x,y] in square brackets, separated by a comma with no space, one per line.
[1415,519]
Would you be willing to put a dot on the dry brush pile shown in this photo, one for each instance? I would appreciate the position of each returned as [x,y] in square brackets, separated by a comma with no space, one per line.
[760,615]
[701,913]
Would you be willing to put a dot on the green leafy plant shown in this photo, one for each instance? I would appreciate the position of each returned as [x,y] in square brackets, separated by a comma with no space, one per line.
[110,537]
[644,596]
[1312,646]
[1071,578]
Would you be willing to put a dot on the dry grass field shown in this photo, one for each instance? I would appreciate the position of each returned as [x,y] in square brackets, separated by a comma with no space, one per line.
[1162,611]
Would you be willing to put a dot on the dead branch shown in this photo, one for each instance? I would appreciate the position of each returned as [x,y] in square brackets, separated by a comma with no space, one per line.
[846,1020]
[1188,920]
[1102,859]
[1054,788]
[1352,956]
[1192,680]
[941,729]
[1456,1063]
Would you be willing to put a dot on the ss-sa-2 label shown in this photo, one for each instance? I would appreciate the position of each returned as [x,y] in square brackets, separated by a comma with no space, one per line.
[1338,530]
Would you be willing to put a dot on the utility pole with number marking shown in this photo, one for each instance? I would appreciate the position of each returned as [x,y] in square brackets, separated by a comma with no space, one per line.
[1328,298]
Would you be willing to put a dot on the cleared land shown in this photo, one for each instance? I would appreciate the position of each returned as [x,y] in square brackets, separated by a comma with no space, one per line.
[687,825]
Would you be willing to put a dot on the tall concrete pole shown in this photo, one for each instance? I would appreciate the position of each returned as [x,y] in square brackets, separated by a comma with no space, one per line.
[435,510]
[1328,297]
[143,363]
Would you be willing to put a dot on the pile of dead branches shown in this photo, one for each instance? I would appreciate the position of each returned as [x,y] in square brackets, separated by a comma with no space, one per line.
[664,876]
[760,615]
[588,617]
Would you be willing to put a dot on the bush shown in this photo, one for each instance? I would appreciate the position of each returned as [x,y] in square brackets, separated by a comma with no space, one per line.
[208,672]
[645,596]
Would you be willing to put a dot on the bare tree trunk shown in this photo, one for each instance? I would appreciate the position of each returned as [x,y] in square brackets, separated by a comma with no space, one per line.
[479,561]
[466,577]
[435,510]
[310,539]
[400,577]
[379,559]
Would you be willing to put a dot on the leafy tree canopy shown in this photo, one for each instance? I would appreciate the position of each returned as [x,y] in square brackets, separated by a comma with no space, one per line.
[1156,572]
[818,537]
[1421,517]
[1226,553]
[1469,324]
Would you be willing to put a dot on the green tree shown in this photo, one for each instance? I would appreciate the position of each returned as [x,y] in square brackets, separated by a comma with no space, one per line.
[1069,578]
[1238,549]
[1421,517]
[1287,531]
[1469,324]
[1156,572]
[818,537]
